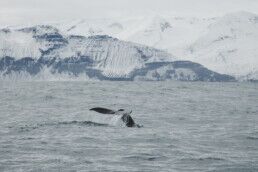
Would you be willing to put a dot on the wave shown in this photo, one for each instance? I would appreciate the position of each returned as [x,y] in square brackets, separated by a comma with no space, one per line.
[82,123]
[251,138]
[205,159]
[27,128]
[211,159]
[146,157]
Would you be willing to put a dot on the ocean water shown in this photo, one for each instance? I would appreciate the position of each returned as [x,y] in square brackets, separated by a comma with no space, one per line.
[187,126]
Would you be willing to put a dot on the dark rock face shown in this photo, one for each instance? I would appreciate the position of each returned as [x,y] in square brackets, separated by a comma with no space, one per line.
[84,65]
[73,65]
[27,64]
[172,72]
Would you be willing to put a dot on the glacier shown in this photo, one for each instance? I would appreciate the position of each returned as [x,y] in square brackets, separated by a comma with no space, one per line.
[43,51]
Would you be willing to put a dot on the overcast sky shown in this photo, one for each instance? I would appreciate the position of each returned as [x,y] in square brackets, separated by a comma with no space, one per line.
[30,11]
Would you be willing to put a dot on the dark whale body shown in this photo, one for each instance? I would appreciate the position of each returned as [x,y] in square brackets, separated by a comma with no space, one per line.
[126,118]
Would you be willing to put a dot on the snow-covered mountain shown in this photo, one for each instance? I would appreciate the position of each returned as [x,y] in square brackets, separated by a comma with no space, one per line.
[44,49]
[227,44]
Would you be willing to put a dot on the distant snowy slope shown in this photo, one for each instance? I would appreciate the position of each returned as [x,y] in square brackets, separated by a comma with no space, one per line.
[156,31]
[30,41]
[18,44]
[167,32]
[230,46]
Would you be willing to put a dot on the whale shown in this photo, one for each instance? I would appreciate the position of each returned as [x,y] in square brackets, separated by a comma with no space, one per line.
[125,115]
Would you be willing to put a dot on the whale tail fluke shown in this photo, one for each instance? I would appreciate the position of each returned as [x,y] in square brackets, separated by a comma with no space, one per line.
[124,115]
[103,110]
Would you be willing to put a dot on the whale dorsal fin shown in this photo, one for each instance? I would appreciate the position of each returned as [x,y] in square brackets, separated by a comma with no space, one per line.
[103,110]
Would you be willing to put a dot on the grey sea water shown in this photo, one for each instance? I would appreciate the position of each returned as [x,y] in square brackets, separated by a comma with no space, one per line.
[46,126]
